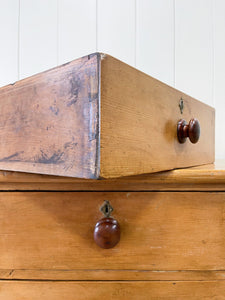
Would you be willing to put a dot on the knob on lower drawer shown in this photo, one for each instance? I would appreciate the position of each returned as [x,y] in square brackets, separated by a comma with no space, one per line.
[107,233]
[191,130]
[107,230]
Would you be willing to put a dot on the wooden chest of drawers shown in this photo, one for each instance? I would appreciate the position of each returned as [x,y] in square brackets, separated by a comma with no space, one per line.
[96,118]
[171,246]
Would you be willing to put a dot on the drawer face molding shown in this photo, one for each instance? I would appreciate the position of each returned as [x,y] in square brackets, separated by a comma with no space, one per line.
[159,231]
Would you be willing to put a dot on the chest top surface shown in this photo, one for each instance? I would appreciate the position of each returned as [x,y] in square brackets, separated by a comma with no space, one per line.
[202,178]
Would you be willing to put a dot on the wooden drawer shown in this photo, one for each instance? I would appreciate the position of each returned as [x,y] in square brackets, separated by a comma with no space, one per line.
[97,117]
[160,231]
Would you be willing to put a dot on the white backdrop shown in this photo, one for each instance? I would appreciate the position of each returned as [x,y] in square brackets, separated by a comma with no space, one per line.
[181,42]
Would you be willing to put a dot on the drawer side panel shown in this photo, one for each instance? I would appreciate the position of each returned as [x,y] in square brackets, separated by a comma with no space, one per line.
[49,123]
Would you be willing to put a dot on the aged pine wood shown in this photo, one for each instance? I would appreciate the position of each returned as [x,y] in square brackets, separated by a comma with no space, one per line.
[119,290]
[172,243]
[202,178]
[159,231]
[97,117]
[49,122]
[105,275]
[139,116]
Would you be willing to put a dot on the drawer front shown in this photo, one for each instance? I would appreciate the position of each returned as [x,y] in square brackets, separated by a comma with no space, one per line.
[159,231]
[139,117]
[144,290]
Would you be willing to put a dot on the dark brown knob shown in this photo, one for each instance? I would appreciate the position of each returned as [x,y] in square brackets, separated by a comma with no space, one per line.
[191,130]
[107,233]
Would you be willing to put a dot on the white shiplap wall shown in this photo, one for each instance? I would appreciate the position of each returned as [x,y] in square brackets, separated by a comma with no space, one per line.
[194,48]
[116,29]
[181,42]
[76,29]
[9,33]
[155,39]
[37,36]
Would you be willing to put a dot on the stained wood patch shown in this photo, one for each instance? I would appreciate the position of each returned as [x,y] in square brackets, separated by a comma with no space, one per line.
[49,122]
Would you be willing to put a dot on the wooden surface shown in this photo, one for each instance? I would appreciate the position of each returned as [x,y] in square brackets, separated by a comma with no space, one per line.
[105,275]
[167,231]
[97,117]
[171,246]
[118,290]
[139,116]
[203,178]
[172,242]
[49,122]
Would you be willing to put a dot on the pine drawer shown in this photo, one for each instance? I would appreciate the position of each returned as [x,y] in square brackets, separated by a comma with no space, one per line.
[159,231]
[97,117]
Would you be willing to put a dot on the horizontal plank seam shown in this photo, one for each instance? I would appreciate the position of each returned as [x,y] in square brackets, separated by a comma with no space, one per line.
[105,280]
[115,270]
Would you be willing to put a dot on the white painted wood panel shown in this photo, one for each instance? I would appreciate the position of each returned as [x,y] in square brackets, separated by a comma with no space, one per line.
[38,36]
[77,29]
[116,29]
[194,48]
[219,75]
[9,14]
[155,39]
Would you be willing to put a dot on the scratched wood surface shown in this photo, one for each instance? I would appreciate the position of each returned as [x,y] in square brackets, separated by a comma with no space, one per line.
[159,231]
[49,122]
[139,116]
[118,290]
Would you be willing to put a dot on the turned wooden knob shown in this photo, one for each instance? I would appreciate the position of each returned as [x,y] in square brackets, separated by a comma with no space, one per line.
[107,233]
[191,130]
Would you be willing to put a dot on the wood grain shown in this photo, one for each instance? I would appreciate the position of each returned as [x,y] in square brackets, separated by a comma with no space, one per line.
[105,275]
[139,115]
[159,231]
[124,290]
[202,178]
[49,122]
[97,117]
